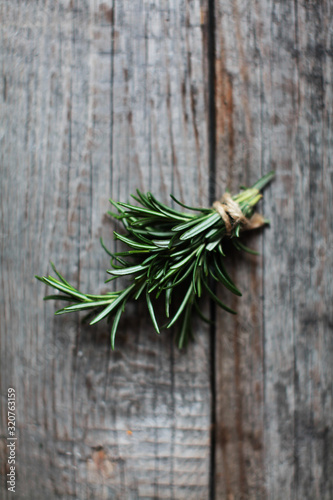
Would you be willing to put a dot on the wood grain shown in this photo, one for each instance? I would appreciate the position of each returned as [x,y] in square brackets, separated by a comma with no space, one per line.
[273,94]
[98,99]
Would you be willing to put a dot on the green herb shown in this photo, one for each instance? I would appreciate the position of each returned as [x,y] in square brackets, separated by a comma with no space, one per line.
[168,249]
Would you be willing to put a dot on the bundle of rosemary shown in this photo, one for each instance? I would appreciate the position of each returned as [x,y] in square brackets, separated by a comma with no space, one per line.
[168,248]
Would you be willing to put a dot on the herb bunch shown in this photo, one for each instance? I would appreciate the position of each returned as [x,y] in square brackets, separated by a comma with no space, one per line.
[168,248]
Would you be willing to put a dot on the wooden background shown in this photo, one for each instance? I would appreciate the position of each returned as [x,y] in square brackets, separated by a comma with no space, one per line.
[189,97]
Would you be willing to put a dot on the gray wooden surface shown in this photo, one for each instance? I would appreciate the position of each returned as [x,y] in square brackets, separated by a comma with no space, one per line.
[97,99]
[274,360]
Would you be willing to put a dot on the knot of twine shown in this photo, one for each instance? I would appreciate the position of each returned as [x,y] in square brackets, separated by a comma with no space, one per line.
[231,214]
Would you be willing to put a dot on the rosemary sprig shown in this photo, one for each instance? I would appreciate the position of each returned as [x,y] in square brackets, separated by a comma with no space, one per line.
[168,249]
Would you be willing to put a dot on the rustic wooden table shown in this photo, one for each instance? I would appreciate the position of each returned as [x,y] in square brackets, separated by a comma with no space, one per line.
[184,97]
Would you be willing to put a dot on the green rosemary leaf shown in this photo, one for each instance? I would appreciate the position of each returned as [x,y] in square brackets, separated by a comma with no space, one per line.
[59,275]
[182,305]
[153,287]
[224,280]
[168,293]
[200,248]
[154,233]
[87,305]
[104,247]
[143,222]
[115,216]
[194,276]
[58,297]
[168,275]
[139,236]
[151,312]
[255,200]
[188,207]
[198,285]
[180,253]
[87,317]
[140,290]
[243,197]
[201,315]
[173,240]
[212,233]
[184,261]
[126,270]
[132,243]
[237,230]
[211,272]
[139,277]
[62,288]
[61,311]
[111,306]
[102,297]
[212,245]
[137,199]
[130,253]
[202,226]
[240,246]
[185,326]
[110,279]
[144,200]
[118,207]
[220,249]
[116,257]
[168,211]
[205,264]
[189,224]
[177,280]
[149,259]
[132,209]
[161,243]
[261,183]
[115,266]
[217,300]
[115,326]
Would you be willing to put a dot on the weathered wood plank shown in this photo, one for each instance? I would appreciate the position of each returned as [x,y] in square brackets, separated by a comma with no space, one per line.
[274,375]
[239,358]
[304,288]
[98,99]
